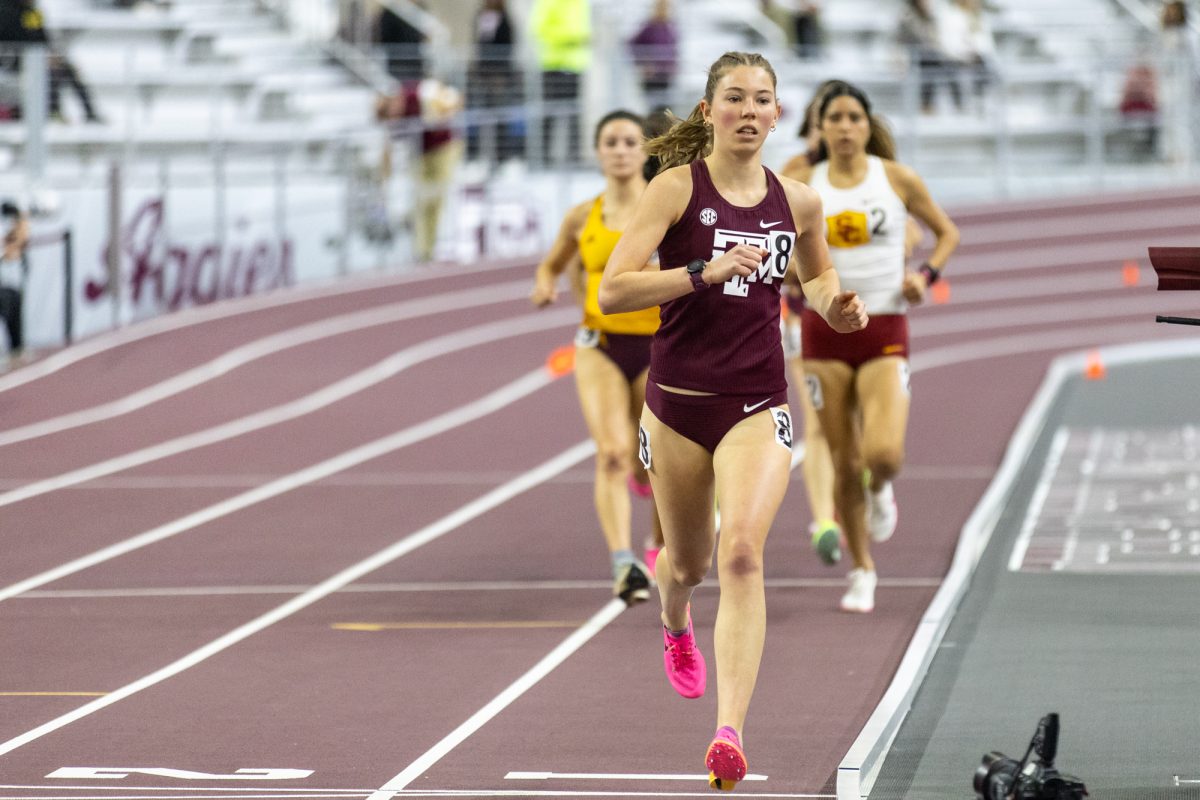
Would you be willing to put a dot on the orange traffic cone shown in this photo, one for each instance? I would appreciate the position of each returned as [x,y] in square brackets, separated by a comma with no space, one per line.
[1130,273]
[940,292]
[1094,369]
[561,361]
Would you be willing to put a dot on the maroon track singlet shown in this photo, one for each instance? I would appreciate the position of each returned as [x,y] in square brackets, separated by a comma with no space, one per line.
[725,339]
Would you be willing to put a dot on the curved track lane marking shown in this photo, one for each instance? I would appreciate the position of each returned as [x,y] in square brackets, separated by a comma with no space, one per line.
[858,769]
[340,390]
[198,315]
[266,346]
[1052,313]
[498,496]
[454,418]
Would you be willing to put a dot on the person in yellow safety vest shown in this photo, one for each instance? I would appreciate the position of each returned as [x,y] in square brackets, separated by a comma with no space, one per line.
[562,30]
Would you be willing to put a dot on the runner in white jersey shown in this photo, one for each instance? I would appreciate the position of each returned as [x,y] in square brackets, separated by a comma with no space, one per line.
[824,529]
[858,383]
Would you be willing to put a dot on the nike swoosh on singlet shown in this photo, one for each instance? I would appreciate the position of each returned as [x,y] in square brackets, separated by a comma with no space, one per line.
[762,224]
[747,409]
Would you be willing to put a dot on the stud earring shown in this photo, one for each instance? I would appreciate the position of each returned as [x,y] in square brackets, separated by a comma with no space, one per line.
[772,127]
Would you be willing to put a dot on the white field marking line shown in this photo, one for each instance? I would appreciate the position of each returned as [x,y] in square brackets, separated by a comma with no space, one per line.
[1045,314]
[238,789]
[447,586]
[263,347]
[436,793]
[449,420]
[359,479]
[857,770]
[339,390]
[544,667]
[435,530]
[197,315]
[1041,341]
[582,793]
[612,776]
[610,611]
[1041,491]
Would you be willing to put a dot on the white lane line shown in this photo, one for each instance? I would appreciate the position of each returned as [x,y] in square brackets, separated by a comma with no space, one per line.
[454,418]
[1037,342]
[198,315]
[859,767]
[1041,491]
[122,788]
[476,793]
[501,494]
[263,347]
[441,586]
[612,776]
[339,390]
[1056,313]
[315,796]
[549,662]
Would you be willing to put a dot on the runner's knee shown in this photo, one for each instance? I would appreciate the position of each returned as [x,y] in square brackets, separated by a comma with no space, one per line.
[740,555]
[884,462]
[613,460]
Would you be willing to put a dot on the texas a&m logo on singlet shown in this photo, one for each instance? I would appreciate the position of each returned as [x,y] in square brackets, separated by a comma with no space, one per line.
[779,245]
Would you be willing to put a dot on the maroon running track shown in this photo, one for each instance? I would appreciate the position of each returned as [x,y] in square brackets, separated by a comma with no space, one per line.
[220,577]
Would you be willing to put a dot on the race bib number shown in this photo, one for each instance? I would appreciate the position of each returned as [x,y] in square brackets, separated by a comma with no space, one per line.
[815,395]
[780,245]
[587,337]
[643,448]
[783,427]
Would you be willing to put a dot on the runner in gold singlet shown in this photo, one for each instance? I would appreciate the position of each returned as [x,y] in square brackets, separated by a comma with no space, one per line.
[612,352]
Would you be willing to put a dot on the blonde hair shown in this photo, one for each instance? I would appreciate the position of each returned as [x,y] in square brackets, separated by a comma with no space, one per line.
[691,138]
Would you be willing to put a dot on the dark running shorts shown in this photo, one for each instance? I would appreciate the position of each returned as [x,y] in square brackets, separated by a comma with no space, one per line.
[630,352]
[706,418]
[885,335]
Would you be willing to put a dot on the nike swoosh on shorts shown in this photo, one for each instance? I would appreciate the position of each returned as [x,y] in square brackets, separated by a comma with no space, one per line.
[747,409]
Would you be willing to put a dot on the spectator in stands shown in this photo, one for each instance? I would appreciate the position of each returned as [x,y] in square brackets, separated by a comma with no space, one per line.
[918,32]
[14,271]
[1179,51]
[655,49]
[967,38]
[562,31]
[493,81]
[1139,103]
[22,25]
[434,104]
[403,43]
[805,25]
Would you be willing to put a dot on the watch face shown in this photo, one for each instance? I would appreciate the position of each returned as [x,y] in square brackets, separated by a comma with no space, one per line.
[696,265]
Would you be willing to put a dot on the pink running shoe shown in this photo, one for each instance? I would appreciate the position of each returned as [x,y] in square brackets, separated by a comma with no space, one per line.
[683,662]
[651,558]
[725,760]
[642,490]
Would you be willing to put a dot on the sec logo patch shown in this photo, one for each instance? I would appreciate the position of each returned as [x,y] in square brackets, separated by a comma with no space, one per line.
[708,216]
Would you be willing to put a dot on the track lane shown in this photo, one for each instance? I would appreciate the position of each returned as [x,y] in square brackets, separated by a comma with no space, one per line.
[983,384]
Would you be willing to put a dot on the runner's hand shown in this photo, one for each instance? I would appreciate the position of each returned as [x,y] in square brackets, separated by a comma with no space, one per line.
[741,260]
[914,288]
[544,293]
[847,314]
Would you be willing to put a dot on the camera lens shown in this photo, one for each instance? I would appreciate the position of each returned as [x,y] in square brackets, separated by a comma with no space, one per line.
[995,776]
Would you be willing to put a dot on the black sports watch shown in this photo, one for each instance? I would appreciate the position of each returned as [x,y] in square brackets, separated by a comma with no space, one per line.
[695,269]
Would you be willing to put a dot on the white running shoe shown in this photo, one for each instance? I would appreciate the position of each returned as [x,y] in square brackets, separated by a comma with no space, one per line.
[882,514]
[860,598]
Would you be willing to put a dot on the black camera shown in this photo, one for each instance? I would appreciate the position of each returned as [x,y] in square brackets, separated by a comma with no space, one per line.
[1002,778]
